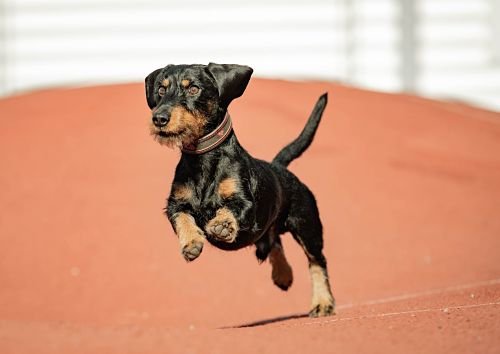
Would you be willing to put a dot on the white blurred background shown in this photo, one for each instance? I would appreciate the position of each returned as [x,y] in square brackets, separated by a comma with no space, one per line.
[438,48]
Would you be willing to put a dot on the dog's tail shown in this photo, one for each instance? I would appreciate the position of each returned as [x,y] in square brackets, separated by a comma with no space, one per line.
[302,142]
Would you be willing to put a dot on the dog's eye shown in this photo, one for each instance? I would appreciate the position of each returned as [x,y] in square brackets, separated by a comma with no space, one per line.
[193,90]
[161,91]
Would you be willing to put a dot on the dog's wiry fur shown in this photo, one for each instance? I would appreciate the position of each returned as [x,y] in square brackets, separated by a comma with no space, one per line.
[225,196]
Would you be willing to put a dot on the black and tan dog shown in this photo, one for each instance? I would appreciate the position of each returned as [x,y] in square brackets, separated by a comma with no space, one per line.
[220,193]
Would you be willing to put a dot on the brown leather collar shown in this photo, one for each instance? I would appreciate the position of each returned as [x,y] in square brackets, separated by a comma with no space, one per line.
[211,140]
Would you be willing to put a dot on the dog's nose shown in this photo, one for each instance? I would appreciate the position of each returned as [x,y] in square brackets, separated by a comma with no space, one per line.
[160,119]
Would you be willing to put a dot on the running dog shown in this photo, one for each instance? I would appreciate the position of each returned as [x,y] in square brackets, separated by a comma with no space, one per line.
[220,193]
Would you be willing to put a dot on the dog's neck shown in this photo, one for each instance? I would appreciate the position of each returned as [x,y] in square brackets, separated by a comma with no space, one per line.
[222,149]
[213,162]
[211,140]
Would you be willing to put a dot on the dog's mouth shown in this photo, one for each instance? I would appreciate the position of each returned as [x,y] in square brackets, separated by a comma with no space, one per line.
[166,134]
[169,138]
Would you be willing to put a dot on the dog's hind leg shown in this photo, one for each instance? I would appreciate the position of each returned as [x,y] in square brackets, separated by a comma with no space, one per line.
[282,274]
[270,246]
[305,226]
[263,248]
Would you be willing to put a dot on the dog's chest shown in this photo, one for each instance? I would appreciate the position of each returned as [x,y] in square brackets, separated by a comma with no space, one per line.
[207,199]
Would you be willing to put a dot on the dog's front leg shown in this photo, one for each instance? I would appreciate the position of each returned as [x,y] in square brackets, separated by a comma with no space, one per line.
[236,213]
[179,208]
[191,237]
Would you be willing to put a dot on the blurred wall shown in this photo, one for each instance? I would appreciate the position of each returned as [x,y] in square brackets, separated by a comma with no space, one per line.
[441,48]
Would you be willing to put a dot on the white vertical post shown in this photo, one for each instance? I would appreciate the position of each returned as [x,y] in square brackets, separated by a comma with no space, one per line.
[495,30]
[3,48]
[349,25]
[408,45]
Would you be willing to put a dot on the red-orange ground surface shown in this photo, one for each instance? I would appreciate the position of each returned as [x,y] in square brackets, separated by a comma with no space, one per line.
[408,190]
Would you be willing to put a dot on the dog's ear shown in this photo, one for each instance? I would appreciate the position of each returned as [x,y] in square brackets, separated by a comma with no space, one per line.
[231,80]
[150,86]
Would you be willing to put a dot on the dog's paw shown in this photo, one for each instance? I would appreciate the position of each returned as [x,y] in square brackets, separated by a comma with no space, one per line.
[282,276]
[223,226]
[326,308]
[223,230]
[192,249]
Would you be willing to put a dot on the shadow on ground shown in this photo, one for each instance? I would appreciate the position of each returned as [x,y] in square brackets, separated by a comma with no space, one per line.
[269,321]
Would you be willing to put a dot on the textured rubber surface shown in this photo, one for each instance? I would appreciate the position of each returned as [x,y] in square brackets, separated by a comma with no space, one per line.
[408,190]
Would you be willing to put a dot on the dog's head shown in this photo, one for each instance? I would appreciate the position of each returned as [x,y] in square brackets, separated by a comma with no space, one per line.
[188,101]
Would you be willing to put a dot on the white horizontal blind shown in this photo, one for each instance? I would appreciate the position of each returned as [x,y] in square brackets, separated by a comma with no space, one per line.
[456,50]
[80,41]
[436,47]
[373,44]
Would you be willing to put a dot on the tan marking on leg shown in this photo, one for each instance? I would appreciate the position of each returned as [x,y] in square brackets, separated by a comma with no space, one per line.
[182,192]
[165,83]
[323,303]
[282,272]
[190,236]
[228,187]
[185,83]
[223,226]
